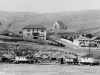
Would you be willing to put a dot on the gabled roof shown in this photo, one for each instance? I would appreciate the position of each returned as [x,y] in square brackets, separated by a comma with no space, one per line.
[88,55]
[91,56]
[85,38]
[94,38]
[34,26]
[82,38]
[6,32]
[61,25]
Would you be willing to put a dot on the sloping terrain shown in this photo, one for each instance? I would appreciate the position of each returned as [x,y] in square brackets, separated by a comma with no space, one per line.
[38,45]
[81,20]
[69,47]
[21,44]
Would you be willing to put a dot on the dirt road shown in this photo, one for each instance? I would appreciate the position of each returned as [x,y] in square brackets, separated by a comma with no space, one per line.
[31,69]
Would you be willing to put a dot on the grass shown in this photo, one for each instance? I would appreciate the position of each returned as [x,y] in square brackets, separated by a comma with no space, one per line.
[54,69]
[11,43]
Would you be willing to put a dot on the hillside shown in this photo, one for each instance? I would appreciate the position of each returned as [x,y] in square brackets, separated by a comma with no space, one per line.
[78,20]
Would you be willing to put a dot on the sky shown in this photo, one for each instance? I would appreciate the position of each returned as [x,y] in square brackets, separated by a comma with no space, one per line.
[48,6]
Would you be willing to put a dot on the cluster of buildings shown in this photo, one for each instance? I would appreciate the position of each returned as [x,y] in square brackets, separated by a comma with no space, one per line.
[36,31]
[86,42]
[40,32]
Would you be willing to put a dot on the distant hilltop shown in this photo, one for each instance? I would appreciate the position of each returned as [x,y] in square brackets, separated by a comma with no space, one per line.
[78,20]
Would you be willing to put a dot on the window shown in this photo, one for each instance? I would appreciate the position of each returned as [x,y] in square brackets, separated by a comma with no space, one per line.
[42,38]
[56,27]
[33,30]
[28,34]
[37,30]
[42,30]
[42,34]
[28,30]
[20,32]
[35,38]
[35,34]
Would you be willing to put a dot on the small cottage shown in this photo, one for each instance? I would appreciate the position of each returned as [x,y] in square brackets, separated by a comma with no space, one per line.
[86,42]
[59,25]
[7,33]
[81,41]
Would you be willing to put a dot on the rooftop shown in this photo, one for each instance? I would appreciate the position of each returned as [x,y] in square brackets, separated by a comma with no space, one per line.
[34,26]
[82,38]
[85,38]
[6,32]
[61,24]
[91,56]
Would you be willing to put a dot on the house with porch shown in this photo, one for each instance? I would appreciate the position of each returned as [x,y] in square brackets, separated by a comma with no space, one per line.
[34,32]
[85,42]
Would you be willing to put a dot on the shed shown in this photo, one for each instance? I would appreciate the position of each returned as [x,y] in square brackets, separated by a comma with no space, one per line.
[7,32]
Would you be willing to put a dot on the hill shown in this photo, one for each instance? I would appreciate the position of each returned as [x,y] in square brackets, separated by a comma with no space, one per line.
[79,20]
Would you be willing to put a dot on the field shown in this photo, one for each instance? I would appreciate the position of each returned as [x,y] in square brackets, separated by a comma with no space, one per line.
[31,69]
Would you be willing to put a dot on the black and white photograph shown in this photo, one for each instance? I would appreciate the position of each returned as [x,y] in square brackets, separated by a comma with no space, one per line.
[49,37]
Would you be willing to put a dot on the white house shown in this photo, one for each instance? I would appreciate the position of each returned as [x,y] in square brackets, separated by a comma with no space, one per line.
[84,41]
[90,59]
[34,32]
[59,25]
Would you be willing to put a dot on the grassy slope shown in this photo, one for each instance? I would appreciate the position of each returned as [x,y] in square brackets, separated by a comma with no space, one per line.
[83,21]
[76,20]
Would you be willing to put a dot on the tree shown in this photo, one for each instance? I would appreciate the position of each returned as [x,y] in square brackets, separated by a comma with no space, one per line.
[89,36]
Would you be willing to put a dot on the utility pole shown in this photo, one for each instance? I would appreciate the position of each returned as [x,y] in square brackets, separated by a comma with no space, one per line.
[89,46]
[89,36]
